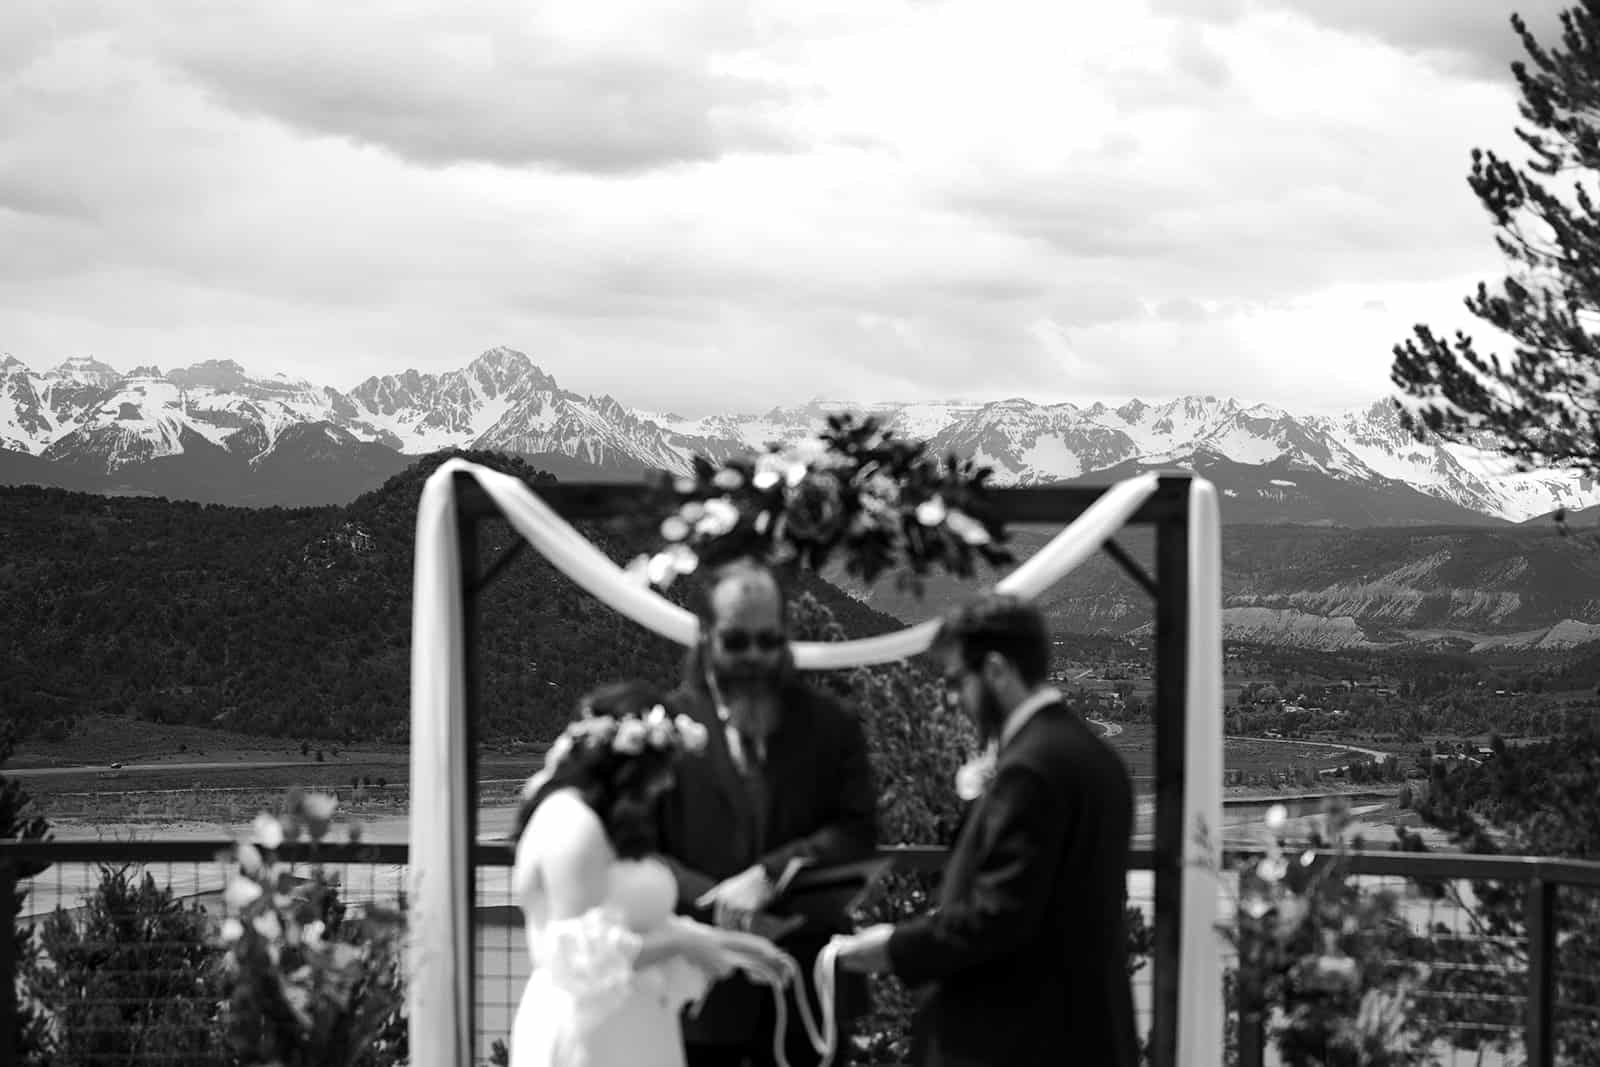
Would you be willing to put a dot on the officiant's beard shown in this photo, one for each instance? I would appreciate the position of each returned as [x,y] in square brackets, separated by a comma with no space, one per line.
[752,697]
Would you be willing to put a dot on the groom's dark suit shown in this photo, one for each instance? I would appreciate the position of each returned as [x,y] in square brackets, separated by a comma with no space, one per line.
[1024,962]
[814,799]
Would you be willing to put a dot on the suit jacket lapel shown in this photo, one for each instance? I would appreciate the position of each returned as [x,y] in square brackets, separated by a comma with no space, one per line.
[962,852]
[788,794]
[725,778]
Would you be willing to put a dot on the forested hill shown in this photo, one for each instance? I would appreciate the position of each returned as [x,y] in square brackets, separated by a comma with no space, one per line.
[291,623]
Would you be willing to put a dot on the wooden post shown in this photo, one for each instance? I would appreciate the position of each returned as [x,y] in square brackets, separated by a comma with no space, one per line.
[1172,673]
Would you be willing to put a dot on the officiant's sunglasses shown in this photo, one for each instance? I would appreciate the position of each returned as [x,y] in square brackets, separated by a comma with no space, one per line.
[737,641]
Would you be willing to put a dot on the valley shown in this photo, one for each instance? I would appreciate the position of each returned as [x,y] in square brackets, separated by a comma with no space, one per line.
[1509,591]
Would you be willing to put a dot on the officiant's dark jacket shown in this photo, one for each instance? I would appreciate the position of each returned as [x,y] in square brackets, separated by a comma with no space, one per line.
[1024,961]
[819,803]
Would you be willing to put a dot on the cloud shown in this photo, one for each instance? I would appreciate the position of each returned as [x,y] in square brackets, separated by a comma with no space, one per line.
[1474,39]
[739,205]
[609,89]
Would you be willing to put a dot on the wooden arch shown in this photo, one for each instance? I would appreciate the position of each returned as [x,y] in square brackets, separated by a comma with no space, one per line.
[1186,975]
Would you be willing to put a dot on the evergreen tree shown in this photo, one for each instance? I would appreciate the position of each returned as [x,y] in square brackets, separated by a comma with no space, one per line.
[1542,406]
[1538,800]
[130,977]
[20,821]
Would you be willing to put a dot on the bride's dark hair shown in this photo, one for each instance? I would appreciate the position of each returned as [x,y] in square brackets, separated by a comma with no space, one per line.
[618,787]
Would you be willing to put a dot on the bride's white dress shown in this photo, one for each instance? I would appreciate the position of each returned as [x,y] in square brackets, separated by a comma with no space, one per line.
[585,1005]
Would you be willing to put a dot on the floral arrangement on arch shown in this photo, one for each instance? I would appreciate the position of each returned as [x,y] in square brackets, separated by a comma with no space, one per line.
[1331,966]
[855,490]
[309,984]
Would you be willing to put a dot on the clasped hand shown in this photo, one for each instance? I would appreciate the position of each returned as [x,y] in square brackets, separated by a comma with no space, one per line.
[721,952]
[865,951]
[735,901]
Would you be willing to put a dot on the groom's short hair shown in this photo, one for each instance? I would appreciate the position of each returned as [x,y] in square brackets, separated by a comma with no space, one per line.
[1000,623]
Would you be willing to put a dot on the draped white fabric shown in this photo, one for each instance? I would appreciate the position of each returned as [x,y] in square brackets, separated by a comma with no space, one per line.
[440,934]
[1200,1007]
[440,894]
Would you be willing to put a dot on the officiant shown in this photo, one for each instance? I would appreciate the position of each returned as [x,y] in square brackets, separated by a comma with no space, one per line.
[784,778]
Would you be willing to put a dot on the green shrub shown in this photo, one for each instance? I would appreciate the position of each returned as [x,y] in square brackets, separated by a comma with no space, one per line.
[129,977]
[20,821]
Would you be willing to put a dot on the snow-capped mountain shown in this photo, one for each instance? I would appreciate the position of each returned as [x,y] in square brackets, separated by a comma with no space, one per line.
[101,429]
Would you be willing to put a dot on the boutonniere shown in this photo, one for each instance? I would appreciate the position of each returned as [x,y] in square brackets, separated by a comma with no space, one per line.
[976,774]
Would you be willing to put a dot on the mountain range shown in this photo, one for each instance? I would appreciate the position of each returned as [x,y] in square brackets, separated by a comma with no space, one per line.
[213,433]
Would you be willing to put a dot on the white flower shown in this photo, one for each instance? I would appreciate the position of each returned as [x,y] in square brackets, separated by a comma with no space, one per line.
[766,477]
[231,931]
[631,737]
[638,570]
[673,528]
[1277,817]
[693,734]
[976,774]
[660,727]
[267,831]
[721,516]
[1256,905]
[684,486]
[312,933]
[241,893]
[660,570]
[319,806]
[931,512]
[763,521]
[966,527]
[249,857]
[728,480]
[267,925]
[809,450]
[1273,868]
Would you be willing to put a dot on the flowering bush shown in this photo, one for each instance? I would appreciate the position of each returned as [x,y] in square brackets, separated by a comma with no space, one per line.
[854,488]
[307,983]
[1331,964]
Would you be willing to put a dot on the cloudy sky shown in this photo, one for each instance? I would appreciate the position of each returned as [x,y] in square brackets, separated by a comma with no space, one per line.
[711,205]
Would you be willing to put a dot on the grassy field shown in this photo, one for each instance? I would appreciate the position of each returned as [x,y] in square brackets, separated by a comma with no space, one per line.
[1137,745]
[158,758]
[188,773]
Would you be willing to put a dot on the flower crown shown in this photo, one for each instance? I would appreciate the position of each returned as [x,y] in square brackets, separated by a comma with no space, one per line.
[629,735]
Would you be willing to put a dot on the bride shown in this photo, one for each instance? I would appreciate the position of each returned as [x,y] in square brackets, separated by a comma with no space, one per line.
[612,965]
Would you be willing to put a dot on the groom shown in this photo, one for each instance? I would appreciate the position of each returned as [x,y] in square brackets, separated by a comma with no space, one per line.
[784,777]
[1024,962]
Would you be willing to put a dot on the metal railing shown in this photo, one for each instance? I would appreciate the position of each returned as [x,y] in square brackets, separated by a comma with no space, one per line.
[1555,1000]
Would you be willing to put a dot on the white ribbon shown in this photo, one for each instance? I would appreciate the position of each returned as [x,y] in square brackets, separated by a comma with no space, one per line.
[824,1036]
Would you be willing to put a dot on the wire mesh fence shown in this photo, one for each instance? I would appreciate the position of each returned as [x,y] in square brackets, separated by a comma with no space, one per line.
[121,964]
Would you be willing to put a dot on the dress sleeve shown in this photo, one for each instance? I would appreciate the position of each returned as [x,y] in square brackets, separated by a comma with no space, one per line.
[677,981]
[590,958]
